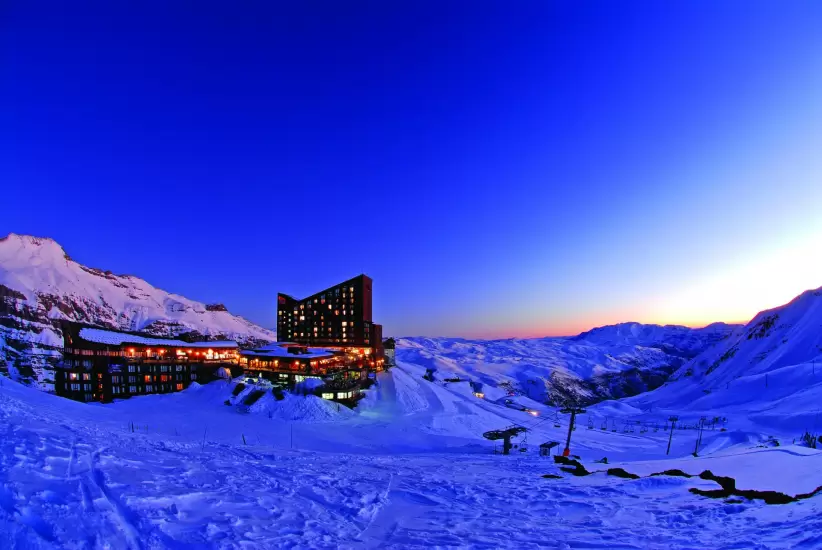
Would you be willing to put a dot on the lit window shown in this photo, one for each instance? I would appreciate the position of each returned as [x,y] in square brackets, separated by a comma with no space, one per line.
[345,323]
[328,396]
[302,317]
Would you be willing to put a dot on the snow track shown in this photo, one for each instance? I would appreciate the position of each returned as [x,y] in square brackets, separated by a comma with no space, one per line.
[414,473]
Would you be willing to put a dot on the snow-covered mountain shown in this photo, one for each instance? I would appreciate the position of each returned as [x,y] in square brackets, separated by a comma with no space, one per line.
[674,339]
[607,362]
[41,285]
[772,365]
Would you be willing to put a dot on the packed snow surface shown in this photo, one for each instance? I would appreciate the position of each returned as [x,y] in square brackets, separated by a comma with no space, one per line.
[408,468]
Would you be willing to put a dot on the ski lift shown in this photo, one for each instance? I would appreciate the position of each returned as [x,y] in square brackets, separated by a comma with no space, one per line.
[590,423]
[523,445]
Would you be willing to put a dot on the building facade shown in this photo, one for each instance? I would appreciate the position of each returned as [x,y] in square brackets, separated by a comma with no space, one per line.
[103,365]
[339,316]
[340,374]
[329,336]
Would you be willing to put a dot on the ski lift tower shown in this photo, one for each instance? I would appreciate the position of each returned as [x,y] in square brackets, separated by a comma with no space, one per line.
[573,411]
[505,435]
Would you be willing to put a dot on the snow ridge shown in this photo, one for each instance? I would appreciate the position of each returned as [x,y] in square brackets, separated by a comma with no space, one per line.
[40,285]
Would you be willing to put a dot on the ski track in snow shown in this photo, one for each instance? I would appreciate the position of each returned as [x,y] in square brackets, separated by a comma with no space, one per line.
[71,476]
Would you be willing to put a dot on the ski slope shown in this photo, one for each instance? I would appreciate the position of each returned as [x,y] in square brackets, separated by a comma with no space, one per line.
[407,469]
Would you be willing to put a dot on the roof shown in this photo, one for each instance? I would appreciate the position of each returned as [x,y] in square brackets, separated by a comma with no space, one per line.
[316,353]
[275,345]
[352,280]
[113,338]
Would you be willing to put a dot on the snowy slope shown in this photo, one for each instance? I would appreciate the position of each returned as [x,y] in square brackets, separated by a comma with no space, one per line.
[40,284]
[606,362]
[407,469]
[772,365]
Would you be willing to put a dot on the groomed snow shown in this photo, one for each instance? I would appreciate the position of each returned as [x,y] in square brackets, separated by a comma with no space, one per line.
[407,469]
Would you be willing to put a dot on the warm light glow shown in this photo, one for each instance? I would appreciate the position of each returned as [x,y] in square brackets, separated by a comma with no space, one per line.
[746,288]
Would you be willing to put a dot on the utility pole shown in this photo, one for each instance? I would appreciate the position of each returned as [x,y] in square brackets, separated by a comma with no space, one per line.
[573,411]
[672,420]
[699,435]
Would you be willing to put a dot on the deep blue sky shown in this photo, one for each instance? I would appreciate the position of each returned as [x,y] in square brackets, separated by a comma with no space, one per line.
[499,169]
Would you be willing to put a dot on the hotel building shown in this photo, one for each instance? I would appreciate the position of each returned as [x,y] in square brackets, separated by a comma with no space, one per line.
[103,365]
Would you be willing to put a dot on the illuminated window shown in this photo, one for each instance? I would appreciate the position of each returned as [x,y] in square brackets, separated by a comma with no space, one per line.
[344,323]
[328,396]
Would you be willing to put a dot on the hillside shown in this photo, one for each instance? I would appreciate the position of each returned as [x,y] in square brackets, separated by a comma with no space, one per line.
[770,367]
[408,468]
[40,285]
[607,362]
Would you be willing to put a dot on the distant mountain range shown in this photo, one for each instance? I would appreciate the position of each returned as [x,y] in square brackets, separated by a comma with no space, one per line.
[41,285]
[607,362]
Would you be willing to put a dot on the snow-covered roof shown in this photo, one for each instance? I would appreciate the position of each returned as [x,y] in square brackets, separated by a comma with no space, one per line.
[112,338]
[316,353]
[275,345]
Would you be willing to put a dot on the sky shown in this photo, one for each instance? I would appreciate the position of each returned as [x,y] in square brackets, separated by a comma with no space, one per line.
[498,169]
